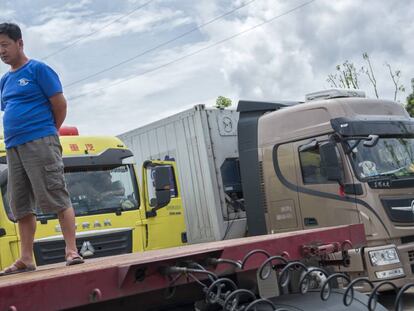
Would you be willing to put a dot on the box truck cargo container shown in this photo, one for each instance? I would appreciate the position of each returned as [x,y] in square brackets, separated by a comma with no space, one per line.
[204,142]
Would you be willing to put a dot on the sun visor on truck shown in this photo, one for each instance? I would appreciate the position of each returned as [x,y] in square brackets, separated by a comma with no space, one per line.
[381,127]
[110,156]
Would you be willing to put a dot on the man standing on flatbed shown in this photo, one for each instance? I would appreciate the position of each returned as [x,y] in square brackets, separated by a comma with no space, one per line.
[34,109]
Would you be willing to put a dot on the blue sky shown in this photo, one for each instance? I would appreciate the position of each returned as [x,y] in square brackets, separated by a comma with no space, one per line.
[284,59]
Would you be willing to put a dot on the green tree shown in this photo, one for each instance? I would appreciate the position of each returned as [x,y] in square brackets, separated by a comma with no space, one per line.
[410,100]
[348,76]
[222,102]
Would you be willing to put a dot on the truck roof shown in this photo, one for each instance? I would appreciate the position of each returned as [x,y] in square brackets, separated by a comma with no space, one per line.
[81,145]
[312,118]
[86,150]
[250,106]
[92,145]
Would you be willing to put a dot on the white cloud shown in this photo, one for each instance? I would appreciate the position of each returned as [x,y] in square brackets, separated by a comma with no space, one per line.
[138,100]
[65,25]
[295,53]
[68,9]
[284,59]
[7,14]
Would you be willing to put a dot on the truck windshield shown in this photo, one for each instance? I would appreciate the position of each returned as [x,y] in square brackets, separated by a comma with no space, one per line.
[95,190]
[100,190]
[391,157]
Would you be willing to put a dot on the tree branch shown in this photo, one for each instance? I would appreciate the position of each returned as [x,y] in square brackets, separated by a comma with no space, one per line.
[370,73]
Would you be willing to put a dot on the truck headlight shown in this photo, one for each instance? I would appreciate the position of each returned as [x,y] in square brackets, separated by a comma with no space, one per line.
[386,256]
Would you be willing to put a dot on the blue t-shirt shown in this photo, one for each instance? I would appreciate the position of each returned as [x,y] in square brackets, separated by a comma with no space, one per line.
[25,97]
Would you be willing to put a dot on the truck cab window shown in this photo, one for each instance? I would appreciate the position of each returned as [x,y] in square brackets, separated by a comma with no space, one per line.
[310,163]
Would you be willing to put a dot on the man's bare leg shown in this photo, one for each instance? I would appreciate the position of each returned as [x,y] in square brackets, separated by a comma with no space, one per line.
[67,223]
[27,229]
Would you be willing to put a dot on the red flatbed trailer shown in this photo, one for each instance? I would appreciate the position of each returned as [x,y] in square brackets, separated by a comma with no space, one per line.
[102,281]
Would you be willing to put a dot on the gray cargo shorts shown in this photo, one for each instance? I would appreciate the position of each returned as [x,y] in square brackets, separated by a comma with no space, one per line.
[35,178]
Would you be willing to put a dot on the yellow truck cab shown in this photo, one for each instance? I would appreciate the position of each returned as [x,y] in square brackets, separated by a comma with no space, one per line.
[114,215]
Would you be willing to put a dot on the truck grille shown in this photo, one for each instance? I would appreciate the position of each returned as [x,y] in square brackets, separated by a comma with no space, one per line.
[106,244]
[411,256]
[399,210]
[411,259]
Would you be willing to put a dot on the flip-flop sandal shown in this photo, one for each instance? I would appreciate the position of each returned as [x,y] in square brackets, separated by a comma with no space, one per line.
[75,260]
[18,267]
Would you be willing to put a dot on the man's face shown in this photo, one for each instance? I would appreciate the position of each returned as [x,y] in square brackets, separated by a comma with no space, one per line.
[10,50]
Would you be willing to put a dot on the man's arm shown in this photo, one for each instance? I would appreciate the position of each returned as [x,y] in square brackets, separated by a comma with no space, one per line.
[58,103]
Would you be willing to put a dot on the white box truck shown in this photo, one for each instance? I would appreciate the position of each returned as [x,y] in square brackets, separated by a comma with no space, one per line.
[203,142]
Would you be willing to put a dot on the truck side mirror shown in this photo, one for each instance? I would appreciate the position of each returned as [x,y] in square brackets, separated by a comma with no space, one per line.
[371,141]
[330,162]
[162,186]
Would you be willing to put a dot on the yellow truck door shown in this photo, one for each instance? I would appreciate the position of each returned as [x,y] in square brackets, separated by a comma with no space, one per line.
[163,216]
[9,248]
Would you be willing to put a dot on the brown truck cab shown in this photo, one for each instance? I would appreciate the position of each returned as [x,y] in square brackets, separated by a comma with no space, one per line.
[338,158]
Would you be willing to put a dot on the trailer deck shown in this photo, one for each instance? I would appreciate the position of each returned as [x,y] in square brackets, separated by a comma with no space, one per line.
[57,287]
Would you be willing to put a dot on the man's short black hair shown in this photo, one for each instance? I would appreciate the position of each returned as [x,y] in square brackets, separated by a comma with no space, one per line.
[11,30]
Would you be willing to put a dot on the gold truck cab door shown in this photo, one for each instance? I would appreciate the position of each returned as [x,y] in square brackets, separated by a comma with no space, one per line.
[322,184]
[9,250]
[164,215]
[280,182]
